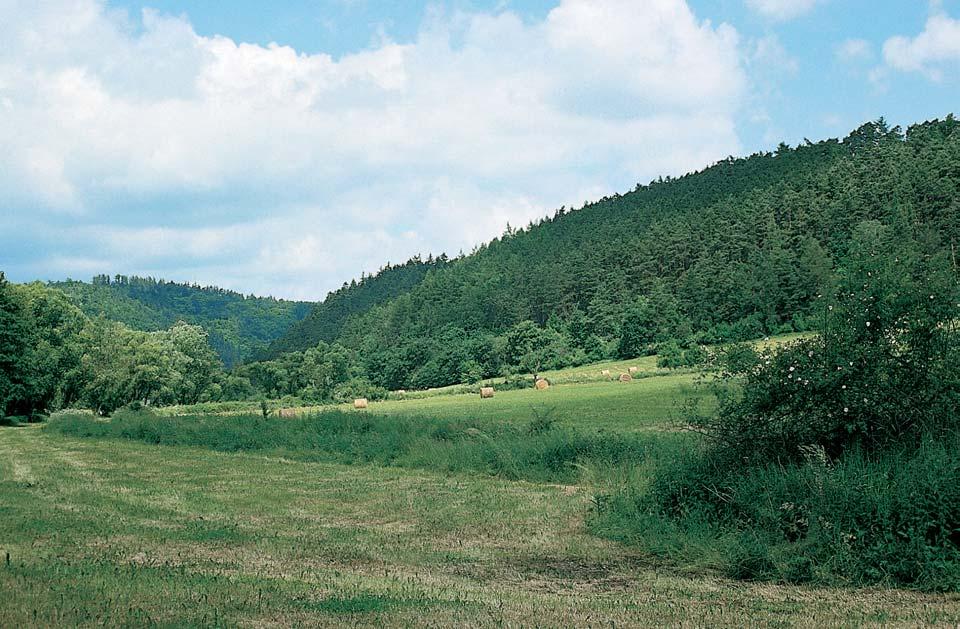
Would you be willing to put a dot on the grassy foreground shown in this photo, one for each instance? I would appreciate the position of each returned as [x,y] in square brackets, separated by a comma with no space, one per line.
[105,532]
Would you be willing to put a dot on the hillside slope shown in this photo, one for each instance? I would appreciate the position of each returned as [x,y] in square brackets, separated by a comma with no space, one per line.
[239,326]
[738,250]
[328,318]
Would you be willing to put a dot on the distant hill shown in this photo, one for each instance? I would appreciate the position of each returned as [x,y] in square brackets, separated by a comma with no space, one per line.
[328,318]
[240,327]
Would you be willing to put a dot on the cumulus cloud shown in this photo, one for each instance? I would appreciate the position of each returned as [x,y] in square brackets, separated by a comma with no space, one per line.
[133,144]
[782,10]
[931,53]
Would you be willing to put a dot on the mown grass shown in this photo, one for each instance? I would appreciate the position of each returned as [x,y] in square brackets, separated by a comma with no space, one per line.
[105,532]
[648,404]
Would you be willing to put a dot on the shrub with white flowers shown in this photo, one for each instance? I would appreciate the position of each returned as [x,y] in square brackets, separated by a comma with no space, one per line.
[884,368]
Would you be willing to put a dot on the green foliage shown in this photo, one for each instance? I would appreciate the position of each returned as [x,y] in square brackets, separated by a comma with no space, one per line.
[735,252]
[120,366]
[15,381]
[358,388]
[672,356]
[533,349]
[313,375]
[53,357]
[888,518]
[239,327]
[738,358]
[837,458]
[881,372]
[651,320]
[40,349]
[326,320]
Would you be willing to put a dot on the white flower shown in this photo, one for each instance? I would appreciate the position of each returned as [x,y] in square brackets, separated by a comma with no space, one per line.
[791,369]
[846,410]
[844,387]
[868,324]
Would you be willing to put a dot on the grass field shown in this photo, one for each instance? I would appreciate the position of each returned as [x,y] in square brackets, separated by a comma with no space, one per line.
[644,404]
[117,533]
[404,516]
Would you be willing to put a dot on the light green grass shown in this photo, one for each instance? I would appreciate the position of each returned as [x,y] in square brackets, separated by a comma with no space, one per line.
[585,374]
[644,404]
[115,533]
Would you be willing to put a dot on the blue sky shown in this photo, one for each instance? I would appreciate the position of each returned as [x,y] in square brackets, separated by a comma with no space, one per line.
[283,148]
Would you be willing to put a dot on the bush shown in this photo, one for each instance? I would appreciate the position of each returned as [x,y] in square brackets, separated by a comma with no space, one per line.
[883,370]
[738,359]
[672,356]
[358,388]
[835,459]
[888,518]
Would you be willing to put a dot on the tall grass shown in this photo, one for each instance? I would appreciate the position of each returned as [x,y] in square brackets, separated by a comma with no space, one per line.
[891,517]
[540,450]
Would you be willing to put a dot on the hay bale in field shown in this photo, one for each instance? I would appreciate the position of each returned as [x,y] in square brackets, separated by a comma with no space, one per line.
[288,412]
[542,384]
[486,392]
[625,377]
[360,403]
[633,369]
[605,372]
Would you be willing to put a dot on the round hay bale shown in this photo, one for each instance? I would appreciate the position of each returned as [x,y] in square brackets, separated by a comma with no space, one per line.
[288,412]
[633,369]
[542,384]
[486,392]
[625,377]
[360,403]
[605,372]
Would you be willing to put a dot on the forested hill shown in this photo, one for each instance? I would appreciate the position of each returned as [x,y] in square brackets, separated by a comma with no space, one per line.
[738,250]
[327,319]
[240,327]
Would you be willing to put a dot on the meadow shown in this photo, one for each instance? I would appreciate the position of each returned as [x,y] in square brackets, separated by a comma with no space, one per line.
[119,533]
[442,511]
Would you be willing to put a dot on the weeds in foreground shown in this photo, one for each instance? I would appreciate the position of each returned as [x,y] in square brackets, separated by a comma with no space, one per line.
[539,450]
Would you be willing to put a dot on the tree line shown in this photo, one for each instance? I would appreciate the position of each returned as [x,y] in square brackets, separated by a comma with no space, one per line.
[737,251]
[239,327]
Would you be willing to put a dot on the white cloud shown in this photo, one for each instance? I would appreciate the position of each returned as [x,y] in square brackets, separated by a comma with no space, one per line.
[930,53]
[782,10]
[770,55]
[854,50]
[143,144]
